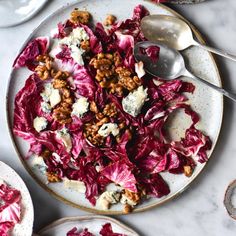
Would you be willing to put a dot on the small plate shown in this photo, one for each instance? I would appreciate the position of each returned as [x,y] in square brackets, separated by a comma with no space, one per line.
[93,223]
[16,12]
[25,226]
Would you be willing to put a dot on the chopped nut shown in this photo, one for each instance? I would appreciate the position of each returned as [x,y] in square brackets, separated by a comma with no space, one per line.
[59,83]
[127,209]
[44,70]
[134,197]
[110,20]
[85,45]
[53,177]
[45,154]
[110,110]
[93,107]
[78,16]
[126,79]
[188,171]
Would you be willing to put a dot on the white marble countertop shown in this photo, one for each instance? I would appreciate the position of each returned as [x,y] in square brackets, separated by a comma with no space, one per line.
[199,210]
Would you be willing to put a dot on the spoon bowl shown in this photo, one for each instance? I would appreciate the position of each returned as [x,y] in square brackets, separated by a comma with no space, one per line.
[170,65]
[175,33]
[167,29]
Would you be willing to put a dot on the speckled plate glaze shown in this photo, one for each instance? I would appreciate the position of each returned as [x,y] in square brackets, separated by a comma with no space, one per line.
[25,226]
[93,223]
[208,103]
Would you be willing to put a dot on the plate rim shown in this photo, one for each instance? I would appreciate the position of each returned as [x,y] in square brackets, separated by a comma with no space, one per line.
[87,217]
[200,38]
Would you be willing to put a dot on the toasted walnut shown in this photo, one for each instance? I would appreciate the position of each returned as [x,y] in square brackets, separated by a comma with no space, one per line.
[110,110]
[117,59]
[85,45]
[44,70]
[127,209]
[91,133]
[104,65]
[93,107]
[78,16]
[45,154]
[102,121]
[53,177]
[59,83]
[188,171]
[134,197]
[126,79]
[62,115]
[99,116]
[110,20]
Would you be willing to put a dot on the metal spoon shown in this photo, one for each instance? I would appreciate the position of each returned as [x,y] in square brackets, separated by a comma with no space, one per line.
[174,32]
[170,65]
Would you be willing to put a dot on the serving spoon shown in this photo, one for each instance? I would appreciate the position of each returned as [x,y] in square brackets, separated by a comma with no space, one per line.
[174,32]
[170,65]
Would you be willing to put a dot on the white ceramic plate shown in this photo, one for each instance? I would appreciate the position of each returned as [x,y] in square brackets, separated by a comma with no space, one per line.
[93,223]
[208,103]
[25,226]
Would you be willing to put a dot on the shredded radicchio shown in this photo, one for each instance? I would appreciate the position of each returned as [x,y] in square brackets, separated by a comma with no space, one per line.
[152,52]
[105,231]
[136,156]
[10,209]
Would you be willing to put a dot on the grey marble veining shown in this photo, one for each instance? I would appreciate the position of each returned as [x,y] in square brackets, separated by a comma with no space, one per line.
[199,210]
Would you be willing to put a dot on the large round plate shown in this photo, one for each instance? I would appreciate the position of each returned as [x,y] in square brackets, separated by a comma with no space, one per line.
[92,223]
[25,226]
[208,103]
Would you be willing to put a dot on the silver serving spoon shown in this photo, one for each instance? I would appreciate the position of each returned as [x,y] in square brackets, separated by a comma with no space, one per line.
[174,32]
[170,65]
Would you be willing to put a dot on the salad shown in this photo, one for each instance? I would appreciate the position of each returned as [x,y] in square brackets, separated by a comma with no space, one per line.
[10,208]
[106,230]
[94,118]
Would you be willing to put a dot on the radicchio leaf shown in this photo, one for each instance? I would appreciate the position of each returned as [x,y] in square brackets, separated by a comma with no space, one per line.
[120,173]
[27,57]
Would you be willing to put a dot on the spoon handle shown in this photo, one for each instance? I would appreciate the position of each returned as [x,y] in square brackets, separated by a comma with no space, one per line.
[218,89]
[216,51]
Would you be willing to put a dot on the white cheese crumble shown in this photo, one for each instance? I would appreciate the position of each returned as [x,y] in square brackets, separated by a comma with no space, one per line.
[107,198]
[46,107]
[55,97]
[133,103]
[57,157]
[65,137]
[75,185]
[125,200]
[51,97]
[107,129]
[39,163]
[80,107]
[139,69]
[40,123]
[73,42]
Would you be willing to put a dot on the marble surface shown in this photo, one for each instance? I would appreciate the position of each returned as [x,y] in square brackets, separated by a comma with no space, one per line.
[199,210]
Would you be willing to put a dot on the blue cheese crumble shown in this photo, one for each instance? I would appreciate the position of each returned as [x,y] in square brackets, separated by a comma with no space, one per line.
[80,107]
[107,129]
[40,123]
[133,103]
[65,137]
[73,42]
